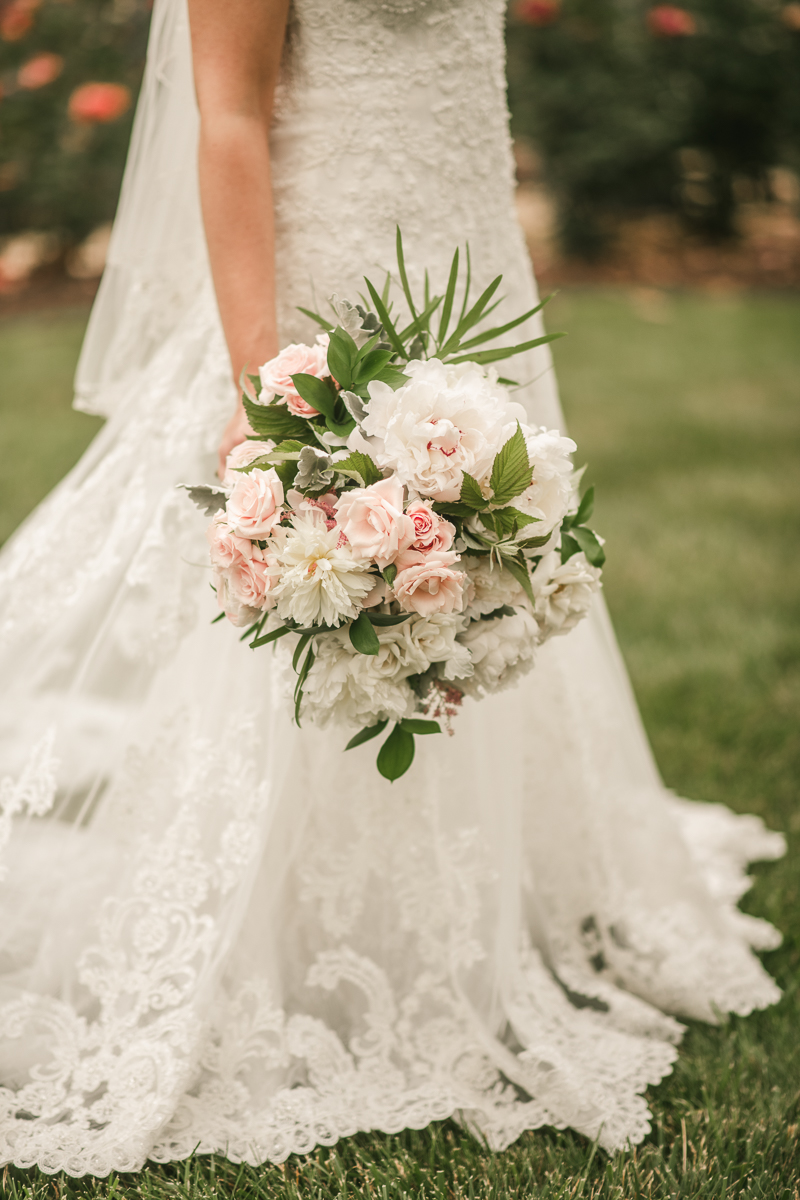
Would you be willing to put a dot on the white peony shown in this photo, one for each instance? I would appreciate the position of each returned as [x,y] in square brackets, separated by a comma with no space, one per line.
[550,495]
[563,592]
[320,582]
[489,586]
[446,420]
[502,651]
[348,688]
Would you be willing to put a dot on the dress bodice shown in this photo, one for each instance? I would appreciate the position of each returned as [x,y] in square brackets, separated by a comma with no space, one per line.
[393,112]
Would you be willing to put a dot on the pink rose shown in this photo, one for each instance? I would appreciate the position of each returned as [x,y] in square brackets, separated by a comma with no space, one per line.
[373,521]
[242,455]
[430,531]
[276,375]
[250,580]
[425,583]
[239,614]
[227,547]
[254,505]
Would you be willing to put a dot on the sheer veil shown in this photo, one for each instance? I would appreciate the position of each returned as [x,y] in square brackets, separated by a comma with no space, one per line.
[157,259]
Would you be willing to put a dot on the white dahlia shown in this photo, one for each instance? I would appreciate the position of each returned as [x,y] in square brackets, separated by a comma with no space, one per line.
[446,420]
[320,582]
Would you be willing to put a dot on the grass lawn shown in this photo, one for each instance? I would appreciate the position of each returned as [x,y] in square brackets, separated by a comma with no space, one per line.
[691,427]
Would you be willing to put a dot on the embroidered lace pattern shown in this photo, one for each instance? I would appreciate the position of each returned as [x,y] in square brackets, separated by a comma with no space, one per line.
[220,932]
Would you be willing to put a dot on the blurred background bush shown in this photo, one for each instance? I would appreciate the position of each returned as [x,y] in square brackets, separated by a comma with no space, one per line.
[623,110]
[638,107]
[69,73]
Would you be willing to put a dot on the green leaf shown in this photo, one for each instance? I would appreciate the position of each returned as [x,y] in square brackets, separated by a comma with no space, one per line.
[366,735]
[301,645]
[568,547]
[383,619]
[414,725]
[371,365]
[587,540]
[490,356]
[452,509]
[280,632]
[401,266]
[276,422]
[386,321]
[396,754]
[342,429]
[389,574]
[471,494]
[471,318]
[393,377]
[467,285]
[359,467]
[499,330]
[363,636]
[519,569]
[511,470]
[449,296]
[423,320]
[317,393]
[586,507]
[308,312]
[342,353]
[298,691]
[208,499]
[507,521]
[218,617]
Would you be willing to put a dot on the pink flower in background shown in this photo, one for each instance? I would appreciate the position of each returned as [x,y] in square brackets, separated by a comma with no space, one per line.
[39,71]
[426,583]
[373,521]
[17,19]
[431,532]
[99,103]
[254,505]
[537,12]
[790,15]
[667,20]
[296,359]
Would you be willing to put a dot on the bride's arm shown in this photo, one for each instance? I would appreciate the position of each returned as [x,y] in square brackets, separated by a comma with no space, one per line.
[236,48]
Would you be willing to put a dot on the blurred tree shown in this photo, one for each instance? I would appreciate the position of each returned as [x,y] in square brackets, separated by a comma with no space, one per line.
[69,70]
[637,106]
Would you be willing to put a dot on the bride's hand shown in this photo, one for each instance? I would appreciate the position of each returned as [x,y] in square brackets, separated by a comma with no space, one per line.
[235,433]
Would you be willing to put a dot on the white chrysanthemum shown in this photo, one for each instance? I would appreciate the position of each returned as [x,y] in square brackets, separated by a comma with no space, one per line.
[564,592]
[489,586]
[550,495]
[446,420]
[320,581]
[502,651]
[347,688]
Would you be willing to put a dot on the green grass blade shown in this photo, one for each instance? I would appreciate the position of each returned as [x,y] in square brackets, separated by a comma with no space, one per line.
[386,321]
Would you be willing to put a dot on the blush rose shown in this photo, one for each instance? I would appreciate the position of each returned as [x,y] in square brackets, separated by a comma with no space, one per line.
[431,532]
[373,521]
[426,583]
[295,359]
[254,505]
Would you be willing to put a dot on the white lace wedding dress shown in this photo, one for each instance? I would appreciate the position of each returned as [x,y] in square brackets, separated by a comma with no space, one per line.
[218,931]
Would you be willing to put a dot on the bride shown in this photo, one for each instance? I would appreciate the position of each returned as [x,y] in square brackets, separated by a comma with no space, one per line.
[219,933]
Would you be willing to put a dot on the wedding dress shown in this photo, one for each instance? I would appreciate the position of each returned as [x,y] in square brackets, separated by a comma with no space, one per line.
[220,932]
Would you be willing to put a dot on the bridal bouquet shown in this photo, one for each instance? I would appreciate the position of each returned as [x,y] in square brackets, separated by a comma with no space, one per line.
[396,520]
